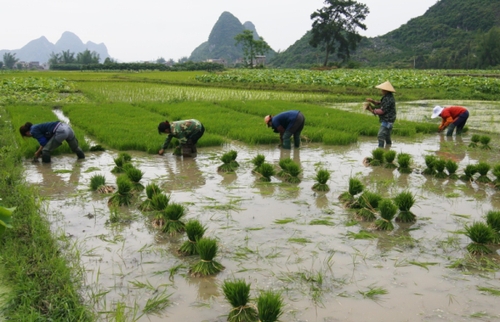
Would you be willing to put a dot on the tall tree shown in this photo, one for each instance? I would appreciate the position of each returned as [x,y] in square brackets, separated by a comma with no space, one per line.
[489,48]
[334,27]
[251,47]
[9,60]
[68,57]
[86,57]
[54,58]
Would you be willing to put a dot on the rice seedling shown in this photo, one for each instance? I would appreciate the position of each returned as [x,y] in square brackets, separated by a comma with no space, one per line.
[373,292]
[172,215]
[266,170]
[207,249]
[151,190]
[97,181]
[269,306]
[377,157]
[258,160]
[440,165]
[237,293]
[451,167]
[404,201]
[355,187]
[404,160]
[135,176]
[5,218]
[159,201]
[429,163]
[493,221]
[293,171]
[469,172]
[480,234]
[322,177]
[119,162]
[485,141]
[489,290]
[387,212]
[283,163]
[194,232]
[475,138]
[229,161]
[496,173]
[483,168]
[123,196]
[390,156]
[368,203]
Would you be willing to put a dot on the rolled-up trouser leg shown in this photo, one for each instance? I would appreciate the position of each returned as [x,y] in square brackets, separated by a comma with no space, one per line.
[296,139]
[286,140]
[383,136]
[186,149]
[451,128]
[49,147]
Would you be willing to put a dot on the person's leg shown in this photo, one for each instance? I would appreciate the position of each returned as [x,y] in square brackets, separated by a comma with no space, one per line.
[49,147]
[286,140]
[71,139]
[388,140]
[296,139]
[460,122]
[297,128]
[381,136]
[451,128]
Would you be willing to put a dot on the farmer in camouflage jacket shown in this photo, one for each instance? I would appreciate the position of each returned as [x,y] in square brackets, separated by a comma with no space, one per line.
[188,132]
[386,111]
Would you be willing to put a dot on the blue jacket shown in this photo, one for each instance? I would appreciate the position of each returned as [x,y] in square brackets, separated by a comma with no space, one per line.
[43,132]
[285,120]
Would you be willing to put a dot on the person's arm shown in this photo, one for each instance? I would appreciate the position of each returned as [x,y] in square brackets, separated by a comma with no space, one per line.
[444,123]
[37,153]
[165,144]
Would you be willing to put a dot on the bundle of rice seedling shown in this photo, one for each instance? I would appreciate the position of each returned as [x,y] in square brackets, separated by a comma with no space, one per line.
[97,181]
[159,201]
[469,172]
[151,190]
[269,306]
[194,232]
[207,249]
[172,215]
[322,177]
[119,162]
[404,201]
[404,160]
[377,157]
[266,170]
[390,156]
[293,171]
[429,163]
[258,160]
[123,196]
[283,163]
[493,220]
[483,168]
[480,234]
[485,141]
[125,156]
[237,293]
[355,187]
[387,212]
[96,148]
[229,161]
[135,175]
[368,203]
[475,138]
[439,165]
[451,167]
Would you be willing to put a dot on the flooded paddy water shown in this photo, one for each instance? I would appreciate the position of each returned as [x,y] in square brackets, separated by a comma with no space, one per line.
[280,236]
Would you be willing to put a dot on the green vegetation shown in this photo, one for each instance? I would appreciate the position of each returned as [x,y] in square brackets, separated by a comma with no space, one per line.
[237,293]
[269,306]
[151,189]
[207,249]
[194,232]
[97,181]
[322,177]
[481,235]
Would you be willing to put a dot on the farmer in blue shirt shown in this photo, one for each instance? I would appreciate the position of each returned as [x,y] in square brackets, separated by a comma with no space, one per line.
[51,135]
[287,124]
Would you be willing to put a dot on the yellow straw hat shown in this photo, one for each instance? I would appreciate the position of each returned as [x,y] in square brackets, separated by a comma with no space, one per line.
[386,86]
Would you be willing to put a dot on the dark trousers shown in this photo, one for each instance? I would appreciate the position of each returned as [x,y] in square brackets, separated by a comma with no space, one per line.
[295,130]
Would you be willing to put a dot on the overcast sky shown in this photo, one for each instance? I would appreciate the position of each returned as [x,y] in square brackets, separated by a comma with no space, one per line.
[148,29]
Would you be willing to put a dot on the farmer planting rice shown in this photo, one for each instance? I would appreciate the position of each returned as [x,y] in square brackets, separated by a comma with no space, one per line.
[188,132]
[51,135]
[452,117]
[385,109]
[287,124]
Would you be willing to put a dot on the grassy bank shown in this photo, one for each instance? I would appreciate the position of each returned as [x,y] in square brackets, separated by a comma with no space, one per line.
[39,278]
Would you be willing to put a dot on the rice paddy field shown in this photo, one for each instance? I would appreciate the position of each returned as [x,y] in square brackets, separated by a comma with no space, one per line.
[325,259]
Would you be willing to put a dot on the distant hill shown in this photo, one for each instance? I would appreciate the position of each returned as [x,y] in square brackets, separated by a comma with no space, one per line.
[221,43]
[40,49]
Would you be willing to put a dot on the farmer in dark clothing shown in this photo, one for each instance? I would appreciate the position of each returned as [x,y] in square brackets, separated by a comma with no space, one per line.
[452,117]
[385,109]
[287,124]
[188,132]
[51,135]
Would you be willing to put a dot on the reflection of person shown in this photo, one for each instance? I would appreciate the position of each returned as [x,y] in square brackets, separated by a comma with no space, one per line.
[385,109]
[287,124]
[452,117]
[51,135]
[188,132]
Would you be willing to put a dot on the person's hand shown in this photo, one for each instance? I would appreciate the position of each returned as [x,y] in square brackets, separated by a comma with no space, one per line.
[37,155]
[161,152]
[370,100]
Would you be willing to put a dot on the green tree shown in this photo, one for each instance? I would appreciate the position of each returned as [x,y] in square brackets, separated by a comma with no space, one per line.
[54,58]
[110,60]
[489,48]
[9,60]
[68,57]
[86,57]
[1,64]
[334,27]
[161,60]
[251,47]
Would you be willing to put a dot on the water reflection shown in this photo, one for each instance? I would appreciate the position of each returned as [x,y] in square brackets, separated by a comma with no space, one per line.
[183,174]
[207,287]
[451,148]
[55,178]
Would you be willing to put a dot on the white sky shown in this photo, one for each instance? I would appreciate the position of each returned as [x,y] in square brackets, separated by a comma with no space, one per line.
[149,29]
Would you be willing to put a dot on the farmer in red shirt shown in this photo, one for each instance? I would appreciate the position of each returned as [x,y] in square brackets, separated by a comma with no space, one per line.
[453,117]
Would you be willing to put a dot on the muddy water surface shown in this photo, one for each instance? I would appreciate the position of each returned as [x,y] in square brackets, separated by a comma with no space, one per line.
[324,273]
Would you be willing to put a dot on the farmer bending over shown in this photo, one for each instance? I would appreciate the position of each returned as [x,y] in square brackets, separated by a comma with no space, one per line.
[287,124]
[385,109]
[453,117]
[188,132]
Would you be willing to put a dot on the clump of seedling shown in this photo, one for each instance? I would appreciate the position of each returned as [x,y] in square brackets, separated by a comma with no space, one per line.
[496,173]
[266,171]
[387,212]
[258,160]
[172,216]
[159,201]
[404,201]
[194,232]
[151,190]
[475,138]
[451,167]
[480,234]
[429,163]
[291,172]
[269,306]
[440,165]
[483,168]
[229,161]
[390,156]
[377,157]
[135,176]
[493,221]
[469,172]
[237,293]
[485,141]
[368,203]
[97,181]
[283,163]
[96,148]
[348,197]
[322,177]
[123,196]
[207,249]
[404,160]
[121,161]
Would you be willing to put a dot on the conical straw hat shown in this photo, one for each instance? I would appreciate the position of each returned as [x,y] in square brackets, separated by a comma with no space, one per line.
[386,87]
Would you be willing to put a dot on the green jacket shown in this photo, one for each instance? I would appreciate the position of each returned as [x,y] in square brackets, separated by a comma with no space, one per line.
[182,130]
